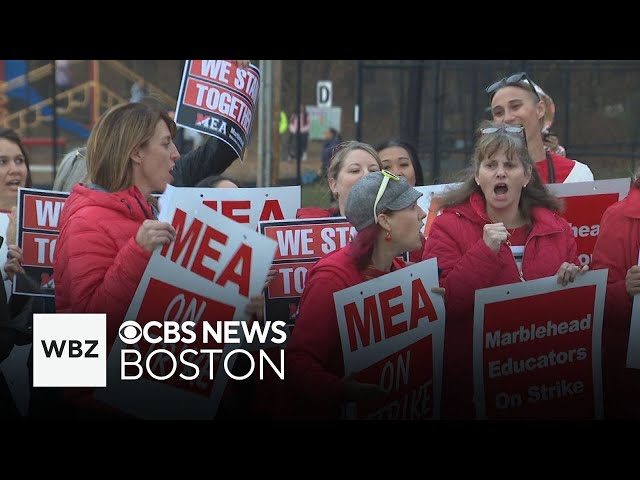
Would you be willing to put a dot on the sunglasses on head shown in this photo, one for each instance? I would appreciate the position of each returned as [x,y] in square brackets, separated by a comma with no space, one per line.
[514,79]
[386,176]
[507,128]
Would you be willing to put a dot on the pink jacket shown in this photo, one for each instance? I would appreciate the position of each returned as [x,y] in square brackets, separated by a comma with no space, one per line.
[314,362]
[617,249]
[467,264]
[98,263]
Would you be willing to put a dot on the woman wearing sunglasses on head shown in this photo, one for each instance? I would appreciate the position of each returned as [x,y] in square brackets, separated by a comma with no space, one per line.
[350,161]
[401,158]
[383,208]
[500,226]
[514,100]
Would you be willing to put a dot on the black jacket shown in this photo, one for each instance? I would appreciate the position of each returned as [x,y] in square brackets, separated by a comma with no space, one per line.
[212,158]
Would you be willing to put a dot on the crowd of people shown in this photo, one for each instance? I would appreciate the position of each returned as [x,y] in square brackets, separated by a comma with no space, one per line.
[500,225]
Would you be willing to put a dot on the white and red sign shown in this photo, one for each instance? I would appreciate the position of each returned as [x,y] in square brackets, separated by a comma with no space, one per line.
[219,99]
[38,215]
[392,334]
[537,349]
[209,273]
[300,244]
[585,203]
[248,206]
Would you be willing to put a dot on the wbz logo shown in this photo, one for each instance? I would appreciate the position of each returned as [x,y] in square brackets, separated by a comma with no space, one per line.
[69,350]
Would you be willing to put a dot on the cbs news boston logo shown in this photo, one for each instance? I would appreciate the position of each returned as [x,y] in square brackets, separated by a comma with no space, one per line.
[69,350]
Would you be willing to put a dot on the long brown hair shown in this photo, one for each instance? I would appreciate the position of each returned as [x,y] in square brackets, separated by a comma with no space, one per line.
[514,145]
[13,137]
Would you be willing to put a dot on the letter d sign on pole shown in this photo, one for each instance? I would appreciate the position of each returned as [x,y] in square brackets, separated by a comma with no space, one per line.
[323,93]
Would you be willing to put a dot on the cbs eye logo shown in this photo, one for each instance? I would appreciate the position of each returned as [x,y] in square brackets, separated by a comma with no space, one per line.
[130,332]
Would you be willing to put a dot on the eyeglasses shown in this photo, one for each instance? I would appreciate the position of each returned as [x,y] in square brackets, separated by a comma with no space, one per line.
[510,80]
[386,176]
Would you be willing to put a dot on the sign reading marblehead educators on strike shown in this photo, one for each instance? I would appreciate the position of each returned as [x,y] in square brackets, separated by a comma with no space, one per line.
[392,335]
[537,349]
[37,229]
[206,275]
[584,205]
[219,99]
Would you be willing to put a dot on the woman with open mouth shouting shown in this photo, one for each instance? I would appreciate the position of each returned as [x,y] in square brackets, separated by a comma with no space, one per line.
[500,226]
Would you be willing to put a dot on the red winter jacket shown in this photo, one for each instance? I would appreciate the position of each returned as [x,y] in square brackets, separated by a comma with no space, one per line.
[617,249]
[98,263]
[467,264]
[313,360]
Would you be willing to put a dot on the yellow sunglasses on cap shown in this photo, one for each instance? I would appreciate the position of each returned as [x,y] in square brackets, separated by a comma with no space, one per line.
[386,176]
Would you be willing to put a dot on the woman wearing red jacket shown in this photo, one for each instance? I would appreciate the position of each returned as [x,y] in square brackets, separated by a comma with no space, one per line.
[314,364]
[617,249]
[500,226]
[108,228]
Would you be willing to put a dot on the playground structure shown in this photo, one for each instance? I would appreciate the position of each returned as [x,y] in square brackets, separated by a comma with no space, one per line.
[52,121]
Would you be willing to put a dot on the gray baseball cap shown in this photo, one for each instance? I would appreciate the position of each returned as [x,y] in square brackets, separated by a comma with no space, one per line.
[398,195]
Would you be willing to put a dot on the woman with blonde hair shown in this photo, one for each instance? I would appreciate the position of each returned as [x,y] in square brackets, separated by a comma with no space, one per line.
[350,161]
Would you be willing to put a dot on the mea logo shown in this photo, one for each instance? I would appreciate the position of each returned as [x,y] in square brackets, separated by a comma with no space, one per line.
[69,350]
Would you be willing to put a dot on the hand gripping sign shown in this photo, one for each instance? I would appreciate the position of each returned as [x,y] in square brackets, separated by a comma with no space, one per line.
[392,334]
[206,276]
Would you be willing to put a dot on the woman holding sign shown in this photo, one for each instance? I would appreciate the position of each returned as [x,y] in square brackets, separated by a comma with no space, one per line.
[500,226]
[617,249]
[383,209]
